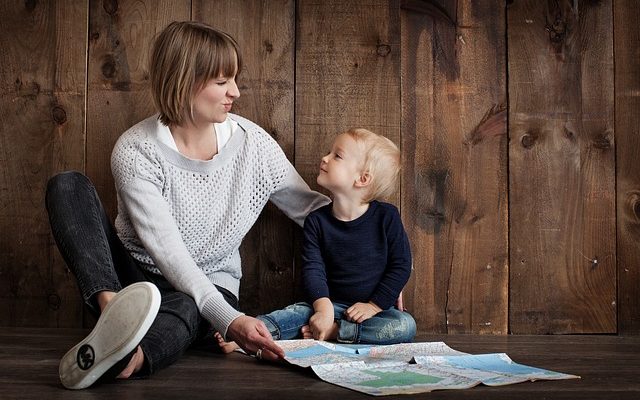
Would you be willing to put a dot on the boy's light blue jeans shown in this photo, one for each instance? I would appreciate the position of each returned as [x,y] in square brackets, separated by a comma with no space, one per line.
[387,327]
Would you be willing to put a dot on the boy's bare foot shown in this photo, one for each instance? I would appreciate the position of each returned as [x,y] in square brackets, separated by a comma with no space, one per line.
[306,332]
[331,335]
[226,347]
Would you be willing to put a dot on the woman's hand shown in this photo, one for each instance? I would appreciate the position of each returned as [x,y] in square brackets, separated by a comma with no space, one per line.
[252,335]
[361,312]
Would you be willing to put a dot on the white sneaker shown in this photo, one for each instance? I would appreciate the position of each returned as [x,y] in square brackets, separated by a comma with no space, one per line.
[120,328]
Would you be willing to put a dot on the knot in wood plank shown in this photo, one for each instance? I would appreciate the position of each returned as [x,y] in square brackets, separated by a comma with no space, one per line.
[632,206]
[109,67]
[59,115]
[53,301]
[557,30]
[110,7]
[383,50]
[602,141]
[529,139]
[30,5]
[493,123]
[268,46]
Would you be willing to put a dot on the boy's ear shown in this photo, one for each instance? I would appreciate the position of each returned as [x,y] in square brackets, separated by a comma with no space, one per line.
[364,180]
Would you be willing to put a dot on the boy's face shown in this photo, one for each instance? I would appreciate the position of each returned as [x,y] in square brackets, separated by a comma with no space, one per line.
[341,168]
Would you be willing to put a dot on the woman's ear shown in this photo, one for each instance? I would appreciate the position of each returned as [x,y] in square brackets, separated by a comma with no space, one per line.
[364,180]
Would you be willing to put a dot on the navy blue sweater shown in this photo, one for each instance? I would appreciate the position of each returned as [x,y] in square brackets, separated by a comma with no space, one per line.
[367,259]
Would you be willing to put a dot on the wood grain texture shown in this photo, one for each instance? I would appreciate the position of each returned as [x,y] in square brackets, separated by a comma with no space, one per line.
[121,34]
[562,167]
[265,33]
[42,96]
[422,200]
[627,106]
[455,168]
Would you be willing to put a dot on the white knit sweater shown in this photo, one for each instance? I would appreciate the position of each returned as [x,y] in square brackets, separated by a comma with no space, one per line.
[186,218]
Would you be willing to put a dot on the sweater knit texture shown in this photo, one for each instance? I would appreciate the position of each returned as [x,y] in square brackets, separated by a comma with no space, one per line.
[367,259]
[185,218]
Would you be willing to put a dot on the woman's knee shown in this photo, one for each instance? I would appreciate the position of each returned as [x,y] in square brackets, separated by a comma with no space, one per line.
[182,307]
[173,331]
[65,184]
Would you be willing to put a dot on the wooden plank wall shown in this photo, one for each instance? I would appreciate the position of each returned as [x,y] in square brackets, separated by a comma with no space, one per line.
[514,125]
[562,167]
[627,127]
[42,118]
[454,195]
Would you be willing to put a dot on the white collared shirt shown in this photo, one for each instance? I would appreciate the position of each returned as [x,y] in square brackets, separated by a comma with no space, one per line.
[223,131]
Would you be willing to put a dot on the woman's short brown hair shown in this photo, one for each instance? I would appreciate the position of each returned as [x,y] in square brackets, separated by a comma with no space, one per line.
[185,56]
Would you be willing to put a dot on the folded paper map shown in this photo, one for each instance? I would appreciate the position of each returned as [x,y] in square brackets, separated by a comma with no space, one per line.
[408,367]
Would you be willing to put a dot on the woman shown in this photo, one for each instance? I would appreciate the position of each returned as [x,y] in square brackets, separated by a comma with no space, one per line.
[191,181]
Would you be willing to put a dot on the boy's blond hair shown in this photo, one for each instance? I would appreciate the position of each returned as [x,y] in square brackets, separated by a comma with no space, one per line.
[381,161]
[185,56]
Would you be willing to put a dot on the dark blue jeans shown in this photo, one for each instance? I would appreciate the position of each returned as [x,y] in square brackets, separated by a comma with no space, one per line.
[98,259]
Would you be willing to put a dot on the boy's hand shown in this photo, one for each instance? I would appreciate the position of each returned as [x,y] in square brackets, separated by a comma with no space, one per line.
[361,312]
[400,303]
[321,324]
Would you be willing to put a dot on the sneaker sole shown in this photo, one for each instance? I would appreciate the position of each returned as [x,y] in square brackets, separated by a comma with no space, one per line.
[119,330]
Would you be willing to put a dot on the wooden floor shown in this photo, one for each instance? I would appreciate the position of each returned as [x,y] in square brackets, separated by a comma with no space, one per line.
[609,367]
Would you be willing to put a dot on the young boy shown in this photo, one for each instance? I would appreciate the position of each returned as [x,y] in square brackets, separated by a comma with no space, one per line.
[356,255]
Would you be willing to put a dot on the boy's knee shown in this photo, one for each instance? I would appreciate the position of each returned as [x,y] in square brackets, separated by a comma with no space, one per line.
[300,308]
[410,324]
[402,327]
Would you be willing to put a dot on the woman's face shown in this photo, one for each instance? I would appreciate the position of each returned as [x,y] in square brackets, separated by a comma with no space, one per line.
[214,101]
